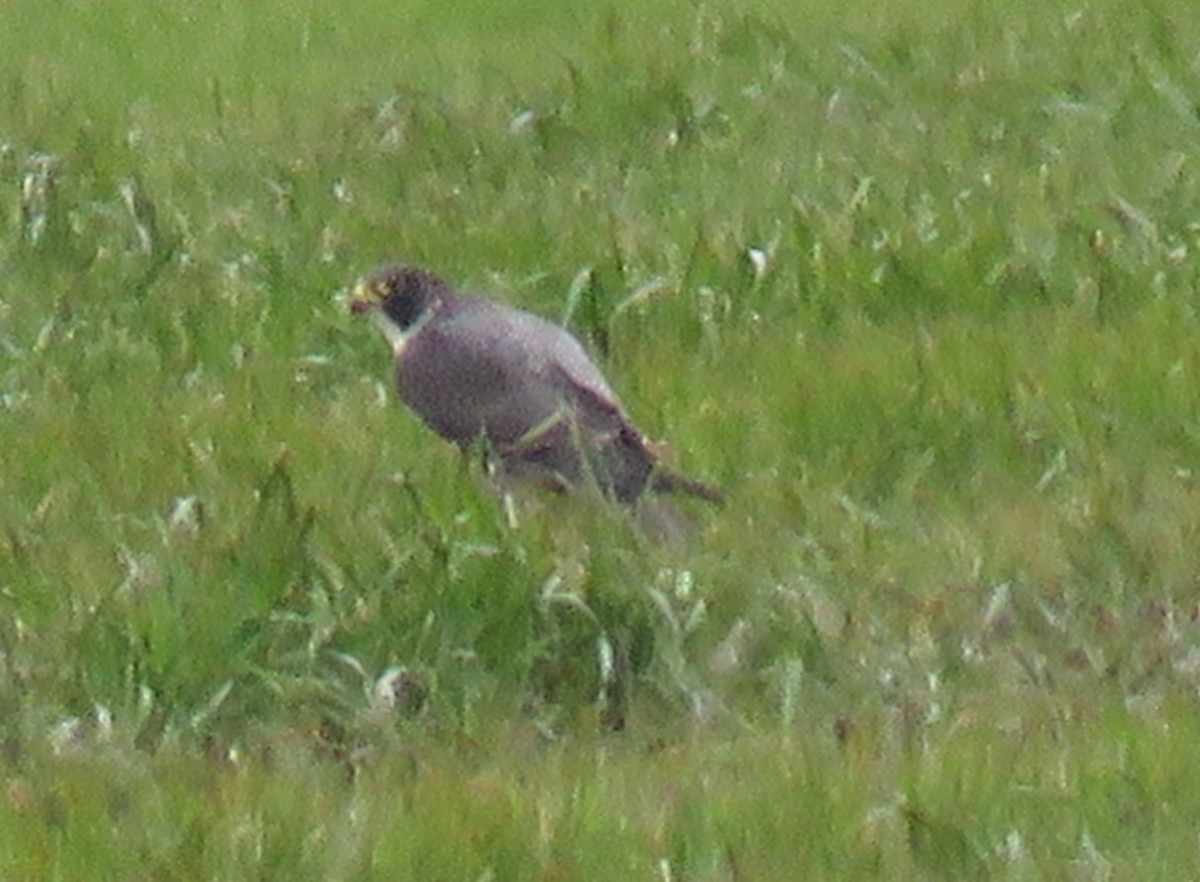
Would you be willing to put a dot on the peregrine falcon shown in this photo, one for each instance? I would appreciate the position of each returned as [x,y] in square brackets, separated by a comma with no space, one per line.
[476,371]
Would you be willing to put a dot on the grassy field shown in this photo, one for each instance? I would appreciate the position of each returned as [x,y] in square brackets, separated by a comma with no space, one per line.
[917,287]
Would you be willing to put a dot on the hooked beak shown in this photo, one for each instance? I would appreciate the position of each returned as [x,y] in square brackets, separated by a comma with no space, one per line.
[364,299]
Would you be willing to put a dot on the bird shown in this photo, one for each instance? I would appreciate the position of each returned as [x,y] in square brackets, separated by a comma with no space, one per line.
[476,371]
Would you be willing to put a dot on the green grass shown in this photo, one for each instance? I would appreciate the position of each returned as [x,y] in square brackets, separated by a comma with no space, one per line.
[946,626]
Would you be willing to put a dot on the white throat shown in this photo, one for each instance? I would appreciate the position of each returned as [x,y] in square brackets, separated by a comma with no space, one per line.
[398,338]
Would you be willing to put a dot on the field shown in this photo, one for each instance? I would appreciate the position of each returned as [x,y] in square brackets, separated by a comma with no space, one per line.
[916,285]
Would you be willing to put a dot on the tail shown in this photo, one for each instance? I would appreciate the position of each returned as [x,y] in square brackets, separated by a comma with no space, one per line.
[674,483]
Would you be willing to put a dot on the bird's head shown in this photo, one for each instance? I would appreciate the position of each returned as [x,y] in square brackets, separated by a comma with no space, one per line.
[401,294]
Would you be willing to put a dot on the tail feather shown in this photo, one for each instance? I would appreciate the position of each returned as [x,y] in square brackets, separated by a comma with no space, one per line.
[672,482]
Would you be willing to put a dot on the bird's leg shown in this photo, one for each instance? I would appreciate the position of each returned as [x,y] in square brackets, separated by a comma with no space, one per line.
[547,453]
